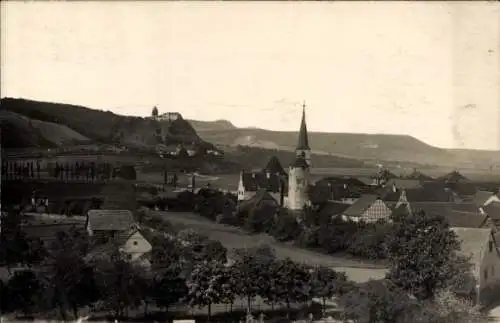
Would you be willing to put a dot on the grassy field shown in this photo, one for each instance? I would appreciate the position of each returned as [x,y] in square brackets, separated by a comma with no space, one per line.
[232,237]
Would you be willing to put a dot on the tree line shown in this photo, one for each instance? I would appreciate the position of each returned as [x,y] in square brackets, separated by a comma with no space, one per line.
[187,269]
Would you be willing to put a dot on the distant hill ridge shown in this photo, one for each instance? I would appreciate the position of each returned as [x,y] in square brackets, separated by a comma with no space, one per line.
[31,123]
[372,147]
[45,124]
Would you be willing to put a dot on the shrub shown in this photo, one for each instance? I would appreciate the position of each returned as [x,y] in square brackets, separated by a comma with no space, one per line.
[285,227]
[369,241]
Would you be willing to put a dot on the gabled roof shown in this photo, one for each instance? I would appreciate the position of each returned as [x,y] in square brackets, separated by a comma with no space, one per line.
[403,183]
[427,193]
[465,219]
[453,177]
[341,180]
[333,208]
[252,182]
[419,176]
[361,205]
[262,196]
[481,197]
[303,140]
[473,241]
[274,166]
[47,230]
[493,211]
[111,220]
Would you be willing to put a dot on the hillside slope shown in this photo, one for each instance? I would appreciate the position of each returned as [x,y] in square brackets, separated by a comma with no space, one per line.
[96,126]
[374,147]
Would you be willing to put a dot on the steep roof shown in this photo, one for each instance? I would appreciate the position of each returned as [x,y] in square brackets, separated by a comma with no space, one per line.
[333,208]
[274,166]
[47,230]
[453,177]
[465,219]
[252,182]
[361,205]
[472,242]
[403,183]
[262,196]
[111,220]
[481,197]
[419,176]
[427,193]
[303,140]
[493,211]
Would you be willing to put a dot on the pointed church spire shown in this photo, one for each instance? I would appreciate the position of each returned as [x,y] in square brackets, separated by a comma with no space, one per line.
[303,142]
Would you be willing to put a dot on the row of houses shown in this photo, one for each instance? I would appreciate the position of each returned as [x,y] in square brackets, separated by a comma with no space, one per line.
[473,214]
[109,229]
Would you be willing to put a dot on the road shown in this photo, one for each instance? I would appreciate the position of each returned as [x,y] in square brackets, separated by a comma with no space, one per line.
[495,313]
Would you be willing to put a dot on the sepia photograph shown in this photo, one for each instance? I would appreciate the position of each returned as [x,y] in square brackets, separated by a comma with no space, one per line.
[250,161]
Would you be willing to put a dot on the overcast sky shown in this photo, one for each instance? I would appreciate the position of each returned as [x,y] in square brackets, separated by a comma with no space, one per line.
[427,69]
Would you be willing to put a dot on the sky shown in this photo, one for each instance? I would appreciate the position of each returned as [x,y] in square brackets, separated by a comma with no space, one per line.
[426,69]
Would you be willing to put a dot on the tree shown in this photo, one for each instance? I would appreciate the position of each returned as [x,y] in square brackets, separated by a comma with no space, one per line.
[22,292]
[165,252]
[205,285]
[293,282]
[198,247]
[169,287]
[119,282]
[69,282]
[369,241]
[252,268]
[421,250]
[336,235]
[260,218]
[376,301]
[14,247]
[327,283]
[285,227]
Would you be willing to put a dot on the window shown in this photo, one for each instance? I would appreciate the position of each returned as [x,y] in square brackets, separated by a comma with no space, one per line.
[135,243]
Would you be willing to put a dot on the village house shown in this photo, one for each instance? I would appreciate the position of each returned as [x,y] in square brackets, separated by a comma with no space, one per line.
[111,228]
[479,244]
[492,211]
[368,208]
[483,198]
[44,228]
[271,178]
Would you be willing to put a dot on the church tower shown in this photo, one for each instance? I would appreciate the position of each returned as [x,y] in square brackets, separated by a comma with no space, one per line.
[303,142]
[298,179]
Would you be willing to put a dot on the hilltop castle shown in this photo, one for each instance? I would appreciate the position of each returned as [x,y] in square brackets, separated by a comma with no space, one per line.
[289,190]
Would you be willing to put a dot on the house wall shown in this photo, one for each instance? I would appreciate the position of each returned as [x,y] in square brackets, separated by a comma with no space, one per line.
[378,210]
[136,246]
[489,273]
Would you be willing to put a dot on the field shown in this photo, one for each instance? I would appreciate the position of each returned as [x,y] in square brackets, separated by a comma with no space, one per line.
[232,238]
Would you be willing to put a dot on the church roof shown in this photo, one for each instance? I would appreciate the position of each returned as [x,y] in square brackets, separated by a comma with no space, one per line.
[274,166]
[252,182]
[303,142]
